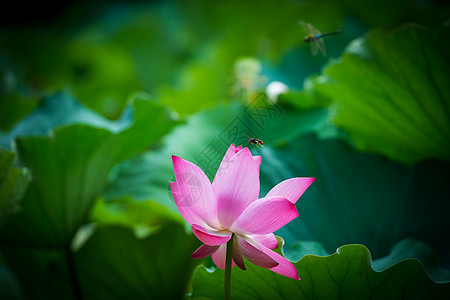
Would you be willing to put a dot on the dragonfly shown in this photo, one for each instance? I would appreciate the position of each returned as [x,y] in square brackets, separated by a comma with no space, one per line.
[314,37]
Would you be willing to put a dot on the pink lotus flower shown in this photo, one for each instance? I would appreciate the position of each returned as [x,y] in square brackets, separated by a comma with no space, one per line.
[230,207]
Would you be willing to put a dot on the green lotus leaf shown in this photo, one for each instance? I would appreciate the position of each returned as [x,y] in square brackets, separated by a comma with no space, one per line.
[13,184]
[346,274]
[392,93]
[112,264]
[70,165]
[405,249]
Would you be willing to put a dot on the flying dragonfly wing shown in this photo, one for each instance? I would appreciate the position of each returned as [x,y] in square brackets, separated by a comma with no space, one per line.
[313,30]
[317,43]
[305,27]
[314,46]
[321,46]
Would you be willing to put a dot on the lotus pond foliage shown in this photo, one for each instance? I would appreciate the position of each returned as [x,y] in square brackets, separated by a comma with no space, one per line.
[107,110]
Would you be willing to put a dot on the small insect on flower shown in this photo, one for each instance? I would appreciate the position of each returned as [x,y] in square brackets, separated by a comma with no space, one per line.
[314,37]
[254,141]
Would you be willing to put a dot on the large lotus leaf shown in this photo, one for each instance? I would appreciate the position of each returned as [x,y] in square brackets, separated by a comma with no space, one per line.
[347,274]
[112,264]
[13,184]
[61,109]
[360,198]
[407,248]
[392,93]
[70,168]
[203,140]
[57,110]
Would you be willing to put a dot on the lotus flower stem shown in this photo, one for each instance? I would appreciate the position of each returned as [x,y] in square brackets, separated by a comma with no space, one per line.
[73,274]
[227,281]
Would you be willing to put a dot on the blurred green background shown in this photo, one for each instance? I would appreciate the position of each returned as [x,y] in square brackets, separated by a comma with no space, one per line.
[95,97]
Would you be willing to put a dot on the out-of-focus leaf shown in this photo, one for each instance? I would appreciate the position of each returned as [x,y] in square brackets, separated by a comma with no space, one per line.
[136,47]
[360,198]
[301,248]
[13,105]
[392,93]
[13,109]
[114,264]
[306,98]
[347,274]
[42,273]
[70,168]
[57,110]
[9,289]
[101,75]
[131,213]
[388,13]
[200,82]
[13,184]
[413,248]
